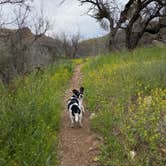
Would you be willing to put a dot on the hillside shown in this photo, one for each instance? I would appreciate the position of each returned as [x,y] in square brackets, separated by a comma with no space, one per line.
[126,93]
[125,102]
[93,46]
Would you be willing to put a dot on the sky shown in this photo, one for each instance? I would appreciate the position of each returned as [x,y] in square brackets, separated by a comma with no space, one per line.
[70,17]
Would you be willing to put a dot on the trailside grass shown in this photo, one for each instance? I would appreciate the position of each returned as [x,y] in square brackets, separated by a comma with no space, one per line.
[30,115]
[127,93]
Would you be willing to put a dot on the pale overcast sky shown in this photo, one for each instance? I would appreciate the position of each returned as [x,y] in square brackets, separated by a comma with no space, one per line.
[70,17]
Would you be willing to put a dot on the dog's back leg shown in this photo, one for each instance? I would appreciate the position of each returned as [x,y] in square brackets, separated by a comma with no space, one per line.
[80,120]
[72,120]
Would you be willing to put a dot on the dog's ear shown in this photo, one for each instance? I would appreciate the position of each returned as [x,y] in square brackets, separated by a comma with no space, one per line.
[76,92]
[81,90]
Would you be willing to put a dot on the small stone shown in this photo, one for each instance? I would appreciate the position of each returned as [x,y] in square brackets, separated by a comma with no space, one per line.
[158,43]
[92,115]
[163,152]
[132,154]
[96,159]
[99,138]
[90,149]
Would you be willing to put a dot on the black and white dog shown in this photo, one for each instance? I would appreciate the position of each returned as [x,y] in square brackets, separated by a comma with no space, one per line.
[75,106]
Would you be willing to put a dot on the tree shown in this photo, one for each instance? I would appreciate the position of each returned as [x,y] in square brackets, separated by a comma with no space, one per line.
[19,43]
[69,44]
[135,12]
[11,3]
[75,43]
[145,11]
[16,42]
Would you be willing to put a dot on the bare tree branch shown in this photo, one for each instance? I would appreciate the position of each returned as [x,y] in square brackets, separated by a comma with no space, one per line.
[133,11]
[2,2]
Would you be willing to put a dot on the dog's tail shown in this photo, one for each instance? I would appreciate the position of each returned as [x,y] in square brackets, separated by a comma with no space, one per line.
[76,117]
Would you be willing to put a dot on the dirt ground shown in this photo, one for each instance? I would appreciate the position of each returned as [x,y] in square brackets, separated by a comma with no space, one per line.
[77,146]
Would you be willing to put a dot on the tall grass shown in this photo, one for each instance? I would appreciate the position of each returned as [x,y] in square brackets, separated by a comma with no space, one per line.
[29,117]
[127,91]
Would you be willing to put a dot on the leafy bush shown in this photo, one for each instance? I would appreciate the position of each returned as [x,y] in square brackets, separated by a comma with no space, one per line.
[128,93]
[30,114]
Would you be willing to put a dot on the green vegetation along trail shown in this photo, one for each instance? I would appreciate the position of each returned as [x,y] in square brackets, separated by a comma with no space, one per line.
[77,146]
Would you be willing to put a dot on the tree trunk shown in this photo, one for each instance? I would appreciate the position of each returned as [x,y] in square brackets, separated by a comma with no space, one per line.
[112,42]
[131,38]
[128,36]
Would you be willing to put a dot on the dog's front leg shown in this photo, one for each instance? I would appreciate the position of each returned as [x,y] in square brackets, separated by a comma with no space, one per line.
[82,108]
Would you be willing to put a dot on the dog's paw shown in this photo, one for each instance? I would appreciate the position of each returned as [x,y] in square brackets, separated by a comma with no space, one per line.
[81,125]
[72,125]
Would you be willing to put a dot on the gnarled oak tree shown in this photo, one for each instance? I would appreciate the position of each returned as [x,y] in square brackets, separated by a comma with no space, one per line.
[134,13]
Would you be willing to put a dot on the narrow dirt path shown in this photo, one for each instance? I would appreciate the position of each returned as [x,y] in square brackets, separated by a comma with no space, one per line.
[78,146]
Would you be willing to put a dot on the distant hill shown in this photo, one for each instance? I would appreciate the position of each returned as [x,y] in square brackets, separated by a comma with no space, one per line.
[26,34]
[42,49]
[99,45]
[93,46]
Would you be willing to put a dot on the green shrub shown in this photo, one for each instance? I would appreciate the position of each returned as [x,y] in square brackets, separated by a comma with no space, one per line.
[30,114]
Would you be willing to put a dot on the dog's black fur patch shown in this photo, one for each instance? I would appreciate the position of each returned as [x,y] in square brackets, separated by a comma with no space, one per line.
[75,100]
[75,109]
[72,101]
[76,92]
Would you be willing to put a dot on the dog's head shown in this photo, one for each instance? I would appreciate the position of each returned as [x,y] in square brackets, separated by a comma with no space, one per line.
[78,93]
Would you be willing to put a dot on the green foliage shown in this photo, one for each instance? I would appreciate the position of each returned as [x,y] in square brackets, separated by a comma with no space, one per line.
[30,114]
[128,93]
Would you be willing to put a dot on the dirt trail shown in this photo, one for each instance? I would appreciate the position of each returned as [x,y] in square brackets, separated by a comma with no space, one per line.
[78,146]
